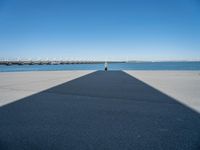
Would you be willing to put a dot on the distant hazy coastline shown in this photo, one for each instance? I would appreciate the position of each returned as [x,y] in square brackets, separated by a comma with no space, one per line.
[186,65]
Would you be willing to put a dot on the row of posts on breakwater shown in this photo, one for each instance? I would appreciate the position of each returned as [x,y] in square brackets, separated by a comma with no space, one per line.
[48,62]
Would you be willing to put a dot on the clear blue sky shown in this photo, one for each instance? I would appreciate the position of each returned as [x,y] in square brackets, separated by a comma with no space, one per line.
[100,30]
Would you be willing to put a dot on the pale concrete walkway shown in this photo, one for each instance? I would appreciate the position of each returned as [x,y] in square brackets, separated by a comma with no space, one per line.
[184,86]
[102,110]
[17,85]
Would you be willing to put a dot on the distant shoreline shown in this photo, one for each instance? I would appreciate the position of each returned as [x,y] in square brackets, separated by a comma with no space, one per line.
[9,63]
[100,66]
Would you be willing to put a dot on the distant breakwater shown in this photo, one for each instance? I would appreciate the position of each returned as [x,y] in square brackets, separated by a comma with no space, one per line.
[8,63]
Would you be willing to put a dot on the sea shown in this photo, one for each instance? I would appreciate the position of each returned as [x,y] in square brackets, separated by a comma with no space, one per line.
[111,66]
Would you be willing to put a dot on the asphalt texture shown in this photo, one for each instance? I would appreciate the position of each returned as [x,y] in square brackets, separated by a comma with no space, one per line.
[100,111]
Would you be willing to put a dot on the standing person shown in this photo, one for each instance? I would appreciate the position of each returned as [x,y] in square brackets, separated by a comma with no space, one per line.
[106,66]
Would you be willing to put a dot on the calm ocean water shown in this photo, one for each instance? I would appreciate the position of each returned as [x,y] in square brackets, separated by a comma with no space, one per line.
[113,66]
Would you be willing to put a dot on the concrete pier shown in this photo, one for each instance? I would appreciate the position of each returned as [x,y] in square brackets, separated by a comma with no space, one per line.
[17,85]
[97,110]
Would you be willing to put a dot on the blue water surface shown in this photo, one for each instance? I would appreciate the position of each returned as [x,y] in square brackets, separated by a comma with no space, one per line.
[111,66]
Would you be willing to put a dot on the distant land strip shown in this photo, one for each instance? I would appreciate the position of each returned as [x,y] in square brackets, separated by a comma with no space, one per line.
[44,62]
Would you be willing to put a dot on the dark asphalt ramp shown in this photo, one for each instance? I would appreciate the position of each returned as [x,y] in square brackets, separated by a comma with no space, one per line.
[103,110]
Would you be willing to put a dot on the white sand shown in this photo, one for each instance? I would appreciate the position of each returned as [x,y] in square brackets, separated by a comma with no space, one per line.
[184,86]
[17,85]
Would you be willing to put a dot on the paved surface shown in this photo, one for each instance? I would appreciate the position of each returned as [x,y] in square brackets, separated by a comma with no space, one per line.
[103,110]
[184,86]
[17,85]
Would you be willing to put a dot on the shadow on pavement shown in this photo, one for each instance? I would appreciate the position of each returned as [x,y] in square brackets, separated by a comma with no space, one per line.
[102,110]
